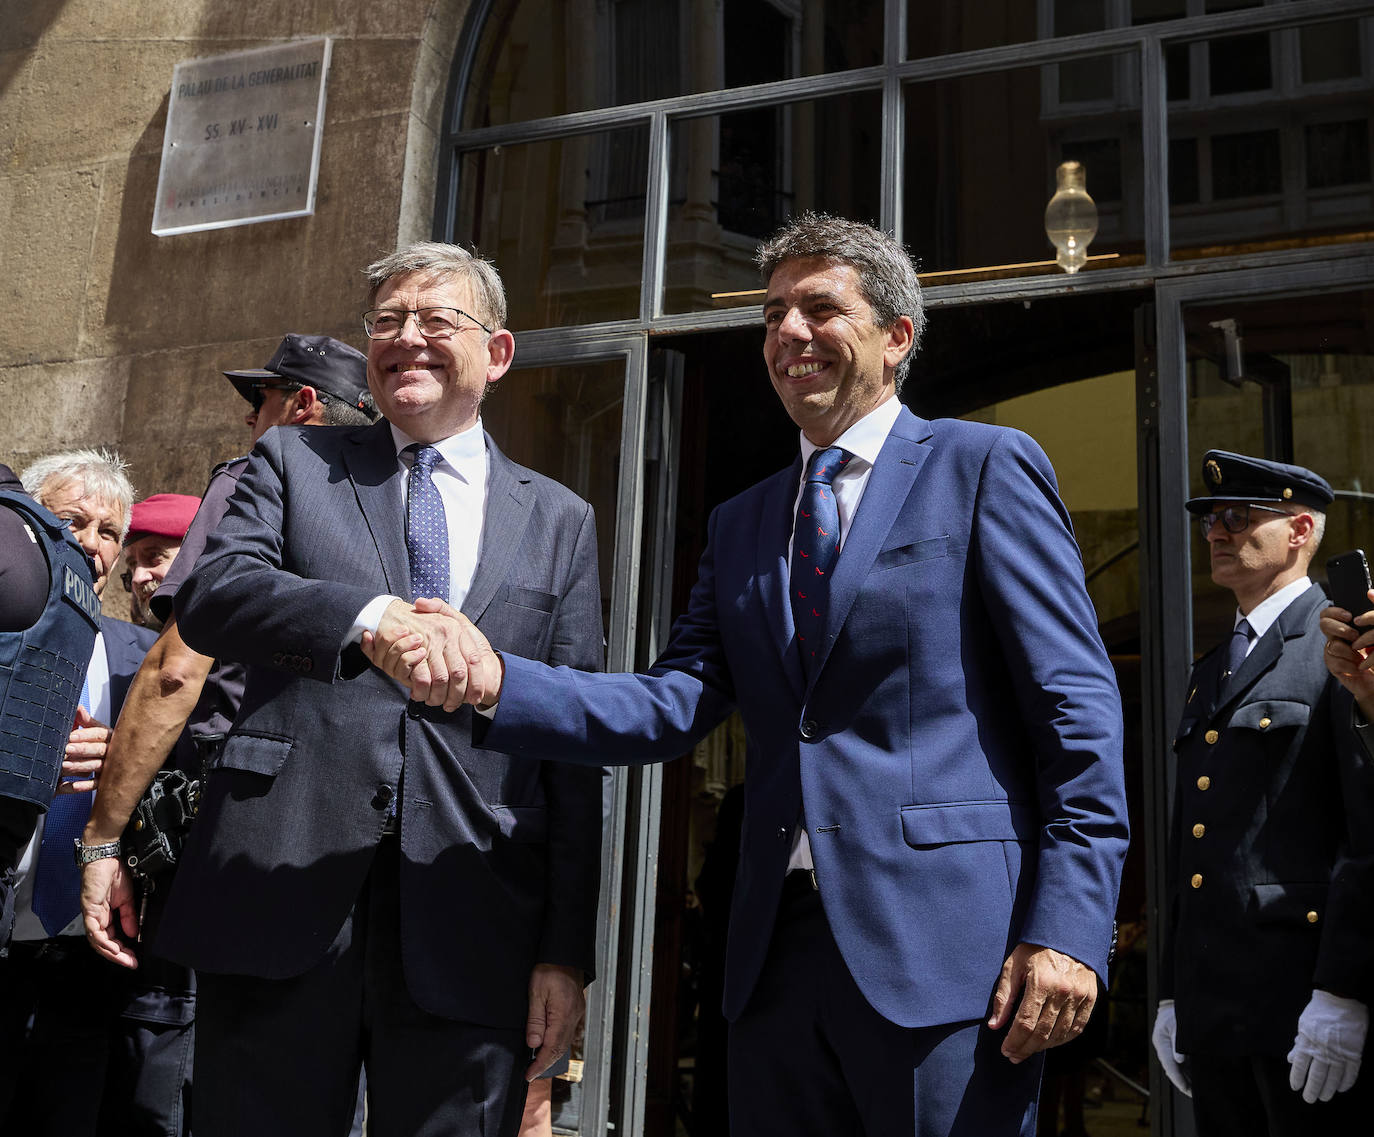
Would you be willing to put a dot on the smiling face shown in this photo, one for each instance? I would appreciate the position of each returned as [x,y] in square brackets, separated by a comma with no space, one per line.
[432,388]
[149,558]
[97,524]
[828,361]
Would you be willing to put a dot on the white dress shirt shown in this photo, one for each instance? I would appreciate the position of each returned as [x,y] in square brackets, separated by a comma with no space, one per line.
[864,440]
[1263,615]
[460,476]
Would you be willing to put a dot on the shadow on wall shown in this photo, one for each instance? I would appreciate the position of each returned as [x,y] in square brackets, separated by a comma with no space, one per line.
[24,22]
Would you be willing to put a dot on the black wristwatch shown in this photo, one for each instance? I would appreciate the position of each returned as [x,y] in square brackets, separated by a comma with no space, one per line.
[85,854]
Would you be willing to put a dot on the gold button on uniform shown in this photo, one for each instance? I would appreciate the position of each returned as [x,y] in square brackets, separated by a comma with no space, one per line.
[1264,723]
[1210,737]
[1199,829]
[1312,917]
[1197,880]
[1204,783]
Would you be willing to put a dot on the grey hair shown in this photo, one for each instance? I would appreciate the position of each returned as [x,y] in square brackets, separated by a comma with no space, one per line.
[335,412]
[438,259]
[887,275]
[100,473]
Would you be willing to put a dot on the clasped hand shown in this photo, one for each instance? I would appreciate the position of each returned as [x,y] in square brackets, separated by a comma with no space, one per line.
[436,653]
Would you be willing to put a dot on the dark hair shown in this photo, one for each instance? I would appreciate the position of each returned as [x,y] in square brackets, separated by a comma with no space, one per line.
[887,276]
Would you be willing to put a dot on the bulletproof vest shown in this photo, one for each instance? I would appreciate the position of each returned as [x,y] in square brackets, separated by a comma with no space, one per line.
[42,669]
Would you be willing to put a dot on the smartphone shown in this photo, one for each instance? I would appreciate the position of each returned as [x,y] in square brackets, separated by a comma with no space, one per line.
[1347,582]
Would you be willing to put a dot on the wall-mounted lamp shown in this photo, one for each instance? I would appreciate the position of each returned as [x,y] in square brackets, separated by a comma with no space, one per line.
[1071,217]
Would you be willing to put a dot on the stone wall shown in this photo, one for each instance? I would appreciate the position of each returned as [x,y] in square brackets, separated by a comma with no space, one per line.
[112,336]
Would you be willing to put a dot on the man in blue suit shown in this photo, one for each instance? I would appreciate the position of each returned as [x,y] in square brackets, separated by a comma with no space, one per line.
[359,887]
[935,815]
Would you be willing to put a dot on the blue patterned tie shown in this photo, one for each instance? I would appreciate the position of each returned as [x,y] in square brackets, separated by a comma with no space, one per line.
[426,527]
[57,880]
[815,546]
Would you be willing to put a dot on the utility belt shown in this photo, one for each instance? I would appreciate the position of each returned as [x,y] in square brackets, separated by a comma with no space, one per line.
[156,834]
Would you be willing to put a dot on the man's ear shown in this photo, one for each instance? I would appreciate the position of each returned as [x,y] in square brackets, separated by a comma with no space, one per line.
[901,337]
[1301,529]
[500,354]
[308,404]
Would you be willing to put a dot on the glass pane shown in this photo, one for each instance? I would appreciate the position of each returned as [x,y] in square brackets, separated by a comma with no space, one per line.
[564,222]
[737,177]
[1315,354]
[1074,364]
[981,155]
[1240,63]
[1246,164]
[1274,160]
[1337,154]
[939,27]
[1330,51]
[564,422]
[1152,11]
[537,59]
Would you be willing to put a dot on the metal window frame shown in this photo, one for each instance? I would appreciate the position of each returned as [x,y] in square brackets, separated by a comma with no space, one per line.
[1165,580]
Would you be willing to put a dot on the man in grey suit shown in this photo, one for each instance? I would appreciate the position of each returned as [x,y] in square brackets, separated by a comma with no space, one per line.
[359,888]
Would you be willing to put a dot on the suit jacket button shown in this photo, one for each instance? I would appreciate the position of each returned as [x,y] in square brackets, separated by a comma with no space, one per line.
[808,729]
[1312,917]
[382,798]
[1196,882]
[1199,829]
[782,832]
[1204,783]
[1210,737]
[1264,723]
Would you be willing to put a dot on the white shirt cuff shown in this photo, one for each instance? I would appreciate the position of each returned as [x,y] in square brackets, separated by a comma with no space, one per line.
[368,619]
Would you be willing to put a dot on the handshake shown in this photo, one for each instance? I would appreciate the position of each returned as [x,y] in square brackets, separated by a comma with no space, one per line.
[436,653]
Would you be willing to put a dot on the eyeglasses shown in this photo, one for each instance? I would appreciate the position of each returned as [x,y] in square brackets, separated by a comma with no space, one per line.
[434,323]
[259,388]
[1234,518]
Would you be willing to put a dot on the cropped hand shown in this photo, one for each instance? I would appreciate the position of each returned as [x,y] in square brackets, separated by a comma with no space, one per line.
[1164,1038]
[1348,652]
[85,753]
[1058,997]
[107,894]
[556,1008]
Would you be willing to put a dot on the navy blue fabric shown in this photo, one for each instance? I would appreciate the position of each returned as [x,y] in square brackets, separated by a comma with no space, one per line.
[815,547]
[1273,817]
[41,668]
[57,879]
[958,752]
[426,527]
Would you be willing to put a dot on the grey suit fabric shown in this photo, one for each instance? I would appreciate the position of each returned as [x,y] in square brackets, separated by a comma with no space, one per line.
[499,855]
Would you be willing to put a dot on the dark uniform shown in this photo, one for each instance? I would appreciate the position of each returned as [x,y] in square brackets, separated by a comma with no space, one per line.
[1271,868]
[49,616]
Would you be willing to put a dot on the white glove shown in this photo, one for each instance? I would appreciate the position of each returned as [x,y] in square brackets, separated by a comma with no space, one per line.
[1169,1057]
[1325,1058]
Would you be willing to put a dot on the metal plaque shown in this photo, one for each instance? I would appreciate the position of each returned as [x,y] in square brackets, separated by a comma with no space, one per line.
[242,143]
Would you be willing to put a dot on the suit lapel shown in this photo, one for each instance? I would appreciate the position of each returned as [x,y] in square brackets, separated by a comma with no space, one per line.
[889,485]
[1294,622]
[771,572]
[510,498]
[370,458]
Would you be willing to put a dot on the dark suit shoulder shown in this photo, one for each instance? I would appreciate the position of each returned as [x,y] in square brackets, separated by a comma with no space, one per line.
[131,635]
[552,493]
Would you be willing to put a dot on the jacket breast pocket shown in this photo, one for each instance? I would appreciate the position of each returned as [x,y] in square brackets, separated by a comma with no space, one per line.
[1299,903]
[927,550]
[1269,715]
[527,598]
[254,753]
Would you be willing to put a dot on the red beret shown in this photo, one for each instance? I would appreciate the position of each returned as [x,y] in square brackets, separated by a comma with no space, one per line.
[162,515]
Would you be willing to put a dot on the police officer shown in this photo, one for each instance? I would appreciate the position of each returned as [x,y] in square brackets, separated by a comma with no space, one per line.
[49,616]
[1266,971]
